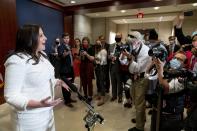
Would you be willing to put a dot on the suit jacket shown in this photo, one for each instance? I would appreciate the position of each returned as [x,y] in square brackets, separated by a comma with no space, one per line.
[66,66]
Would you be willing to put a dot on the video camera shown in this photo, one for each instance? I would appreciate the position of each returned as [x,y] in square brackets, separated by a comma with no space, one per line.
[66,48]
[183,73]
[158,52]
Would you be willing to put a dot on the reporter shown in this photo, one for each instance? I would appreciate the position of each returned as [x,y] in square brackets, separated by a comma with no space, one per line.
[173,97]
[30,82]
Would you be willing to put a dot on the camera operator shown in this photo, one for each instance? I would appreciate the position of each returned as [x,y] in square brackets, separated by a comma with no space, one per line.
[191,120]
[54,58]
[66,67]
[137,67]
[124,59]
[115,73]
[173,95]
[158,50]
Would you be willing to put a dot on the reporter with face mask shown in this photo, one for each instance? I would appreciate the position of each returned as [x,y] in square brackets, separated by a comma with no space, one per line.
[115,73]
[191,119]
[173,95]
[87,54]
[137,67]
[100,71]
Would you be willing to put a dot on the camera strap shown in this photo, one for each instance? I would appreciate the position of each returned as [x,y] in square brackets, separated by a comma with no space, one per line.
[137,53]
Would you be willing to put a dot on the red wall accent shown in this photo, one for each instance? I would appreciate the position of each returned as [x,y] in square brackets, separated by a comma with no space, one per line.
[8,27]
[69,26]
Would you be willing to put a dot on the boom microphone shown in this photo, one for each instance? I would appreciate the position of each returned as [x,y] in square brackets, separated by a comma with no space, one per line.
[70,85]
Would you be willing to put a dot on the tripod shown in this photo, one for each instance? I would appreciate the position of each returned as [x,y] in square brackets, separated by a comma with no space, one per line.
[91,117]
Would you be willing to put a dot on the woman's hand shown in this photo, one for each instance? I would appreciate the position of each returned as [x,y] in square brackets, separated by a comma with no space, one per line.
[84,53]
[46,103]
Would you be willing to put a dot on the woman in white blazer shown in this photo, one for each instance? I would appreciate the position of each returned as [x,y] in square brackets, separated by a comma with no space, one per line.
[30,82]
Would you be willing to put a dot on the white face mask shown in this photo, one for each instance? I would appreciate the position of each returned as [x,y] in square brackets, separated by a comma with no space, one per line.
[135,44]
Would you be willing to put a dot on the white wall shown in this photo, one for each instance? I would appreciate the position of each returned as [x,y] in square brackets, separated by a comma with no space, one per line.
[98,28]
[190,24]
[85,26]
[82,26]
[111,29]
[164,29]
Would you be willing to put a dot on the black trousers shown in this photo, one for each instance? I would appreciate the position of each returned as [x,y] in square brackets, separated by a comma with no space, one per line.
[124,77]
[101,81]
[67,94]
[117,86]
[167,122]
[107,73]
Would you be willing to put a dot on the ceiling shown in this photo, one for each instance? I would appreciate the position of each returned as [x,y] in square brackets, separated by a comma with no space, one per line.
[164,13]
[96,9]
[78,2]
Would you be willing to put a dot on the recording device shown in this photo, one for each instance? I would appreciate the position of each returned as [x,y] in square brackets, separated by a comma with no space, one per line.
[124,47]
[188,13]
[183,73]
[157,52]
[66,48]
[91,117]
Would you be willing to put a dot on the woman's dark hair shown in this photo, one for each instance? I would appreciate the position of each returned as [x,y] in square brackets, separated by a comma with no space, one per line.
[79,42]
[65,34]
[86,38]
[27,42]
[153,35]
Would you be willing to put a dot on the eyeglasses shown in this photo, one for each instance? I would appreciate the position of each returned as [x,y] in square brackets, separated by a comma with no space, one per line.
[131,36]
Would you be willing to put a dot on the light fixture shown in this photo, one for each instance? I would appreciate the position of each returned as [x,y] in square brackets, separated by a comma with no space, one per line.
[97,14]
[194,4]
[156,8]
[124,21]
[158,0]
[123,11]
[72,2]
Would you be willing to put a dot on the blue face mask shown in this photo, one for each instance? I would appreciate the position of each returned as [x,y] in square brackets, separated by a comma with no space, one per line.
[175,64]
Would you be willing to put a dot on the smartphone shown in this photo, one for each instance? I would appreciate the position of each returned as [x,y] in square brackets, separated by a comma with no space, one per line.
[188,13]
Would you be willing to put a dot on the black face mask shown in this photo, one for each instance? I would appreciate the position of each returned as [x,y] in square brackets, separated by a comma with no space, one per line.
[57,43]
[117,39]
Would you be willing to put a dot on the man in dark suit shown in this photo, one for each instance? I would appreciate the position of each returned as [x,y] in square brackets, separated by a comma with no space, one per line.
[66,68]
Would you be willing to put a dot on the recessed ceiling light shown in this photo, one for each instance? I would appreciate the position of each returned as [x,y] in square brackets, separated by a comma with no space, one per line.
[194,4]
[158,0]
[156,8]
[124,21]
[72,2]
[123,11]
